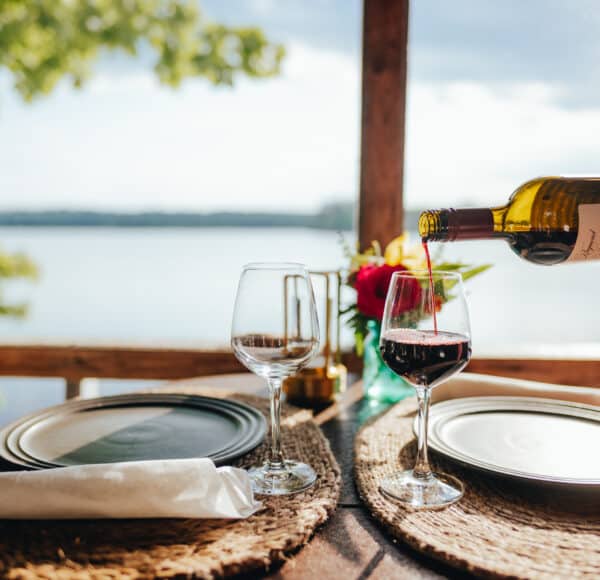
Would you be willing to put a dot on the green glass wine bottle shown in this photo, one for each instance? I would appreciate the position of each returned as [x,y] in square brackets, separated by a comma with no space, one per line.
[548,220]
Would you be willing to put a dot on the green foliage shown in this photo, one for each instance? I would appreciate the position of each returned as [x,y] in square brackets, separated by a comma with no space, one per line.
[15,266]
[443,288]
[466,270]
[43,41]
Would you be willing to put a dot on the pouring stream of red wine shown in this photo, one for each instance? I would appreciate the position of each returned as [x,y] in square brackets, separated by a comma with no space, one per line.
[431,287]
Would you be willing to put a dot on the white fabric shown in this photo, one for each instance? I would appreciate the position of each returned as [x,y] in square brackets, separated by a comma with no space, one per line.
[476,385]
[177,488]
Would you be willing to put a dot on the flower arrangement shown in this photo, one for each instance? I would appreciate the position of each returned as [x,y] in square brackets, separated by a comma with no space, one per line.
[370,273]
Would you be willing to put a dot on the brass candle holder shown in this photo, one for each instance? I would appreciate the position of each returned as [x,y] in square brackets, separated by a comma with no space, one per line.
[325,377]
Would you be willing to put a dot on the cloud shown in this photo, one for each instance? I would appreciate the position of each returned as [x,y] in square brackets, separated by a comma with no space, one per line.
[331,25]
[545,41]
[467,143]
[126,142]
[292,142]
[497,43]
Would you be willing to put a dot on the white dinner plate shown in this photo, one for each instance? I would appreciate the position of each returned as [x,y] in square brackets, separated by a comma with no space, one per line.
[532,439]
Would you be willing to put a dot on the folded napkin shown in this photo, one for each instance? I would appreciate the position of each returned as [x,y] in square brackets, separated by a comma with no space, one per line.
[176,488]
[476,385]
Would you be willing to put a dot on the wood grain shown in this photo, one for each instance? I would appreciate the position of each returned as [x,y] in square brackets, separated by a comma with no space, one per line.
[121,362]
[350,544]
[584,373]
[385,38]
[77,362]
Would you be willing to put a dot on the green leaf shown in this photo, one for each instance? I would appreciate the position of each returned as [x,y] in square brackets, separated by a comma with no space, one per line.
[15,266]
[359,343]
[466,270]
[44,41]
[449,266]
[471,272]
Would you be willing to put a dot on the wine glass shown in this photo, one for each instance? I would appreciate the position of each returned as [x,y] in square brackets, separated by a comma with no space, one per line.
[425,338]
[274,333]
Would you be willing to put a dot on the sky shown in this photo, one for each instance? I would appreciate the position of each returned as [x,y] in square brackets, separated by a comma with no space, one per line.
[499,92]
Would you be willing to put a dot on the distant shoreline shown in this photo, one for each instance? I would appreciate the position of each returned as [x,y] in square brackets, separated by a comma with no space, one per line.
[167,226]
[337,217]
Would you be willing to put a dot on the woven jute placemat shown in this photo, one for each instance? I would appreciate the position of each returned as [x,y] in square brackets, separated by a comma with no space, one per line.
[496,529]
[171,548]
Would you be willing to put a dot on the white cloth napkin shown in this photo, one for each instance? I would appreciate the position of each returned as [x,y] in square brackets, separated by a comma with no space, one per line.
[176,488]
[476,385]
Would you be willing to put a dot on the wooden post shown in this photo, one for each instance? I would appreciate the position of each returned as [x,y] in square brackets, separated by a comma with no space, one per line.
[72,388]
[385,39]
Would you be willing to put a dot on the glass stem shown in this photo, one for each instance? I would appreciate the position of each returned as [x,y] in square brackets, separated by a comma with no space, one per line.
[276,457]
[421,468]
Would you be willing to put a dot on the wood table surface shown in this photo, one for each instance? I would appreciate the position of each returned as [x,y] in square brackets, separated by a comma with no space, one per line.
[351,544]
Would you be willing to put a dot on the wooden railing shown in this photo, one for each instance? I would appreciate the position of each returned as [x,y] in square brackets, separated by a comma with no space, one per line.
[74,363]
[585,373]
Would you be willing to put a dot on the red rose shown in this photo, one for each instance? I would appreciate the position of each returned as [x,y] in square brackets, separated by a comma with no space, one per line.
[372,284]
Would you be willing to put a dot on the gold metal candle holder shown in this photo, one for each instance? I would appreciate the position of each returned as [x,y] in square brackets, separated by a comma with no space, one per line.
[325,377]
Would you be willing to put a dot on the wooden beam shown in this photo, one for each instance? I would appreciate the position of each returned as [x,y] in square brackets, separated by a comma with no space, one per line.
[76,363]
[385,41]
[585,373]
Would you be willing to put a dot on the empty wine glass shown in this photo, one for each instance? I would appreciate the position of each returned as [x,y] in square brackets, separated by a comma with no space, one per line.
[274,333]
[425,338]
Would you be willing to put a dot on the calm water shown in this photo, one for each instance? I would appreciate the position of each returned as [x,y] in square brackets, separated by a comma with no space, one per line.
[177,287]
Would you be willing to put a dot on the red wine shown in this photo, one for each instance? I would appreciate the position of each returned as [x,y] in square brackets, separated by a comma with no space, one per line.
[431,286]
[424,357]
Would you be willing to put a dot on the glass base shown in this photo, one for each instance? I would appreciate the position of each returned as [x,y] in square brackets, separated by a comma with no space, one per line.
[436,491]
[294,477]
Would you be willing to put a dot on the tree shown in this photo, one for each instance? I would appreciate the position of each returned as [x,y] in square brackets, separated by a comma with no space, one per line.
[15,266]
[44,41]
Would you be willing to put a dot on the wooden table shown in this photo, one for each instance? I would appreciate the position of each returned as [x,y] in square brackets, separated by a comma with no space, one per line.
[351,545]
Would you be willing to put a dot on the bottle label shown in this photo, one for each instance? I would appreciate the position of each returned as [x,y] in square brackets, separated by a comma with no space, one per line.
[587,246]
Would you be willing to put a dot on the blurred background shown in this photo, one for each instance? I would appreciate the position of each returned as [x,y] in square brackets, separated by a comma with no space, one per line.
[138,174]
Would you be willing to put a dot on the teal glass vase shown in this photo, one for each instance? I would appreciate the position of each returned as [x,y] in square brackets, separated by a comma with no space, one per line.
[380,383]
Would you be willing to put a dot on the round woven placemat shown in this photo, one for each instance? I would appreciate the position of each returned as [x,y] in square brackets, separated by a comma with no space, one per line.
[495,530]
[183,548]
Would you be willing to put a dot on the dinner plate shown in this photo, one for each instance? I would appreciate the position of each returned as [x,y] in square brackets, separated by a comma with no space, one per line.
[25,438]
[132,428]
[135,419]
[539,440]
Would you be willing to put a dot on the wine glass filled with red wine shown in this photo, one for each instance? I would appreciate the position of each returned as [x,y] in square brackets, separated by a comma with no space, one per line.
[274,333]
[426,339]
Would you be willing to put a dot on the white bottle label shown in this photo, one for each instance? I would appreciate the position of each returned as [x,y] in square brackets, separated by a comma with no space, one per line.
[587,246]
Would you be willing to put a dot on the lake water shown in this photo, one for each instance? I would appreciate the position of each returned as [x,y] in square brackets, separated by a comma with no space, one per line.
[176,287]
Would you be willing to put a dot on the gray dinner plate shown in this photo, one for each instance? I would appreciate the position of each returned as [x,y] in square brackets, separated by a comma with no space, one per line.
[140,419]
[24,439]
[132,428]
[538,440]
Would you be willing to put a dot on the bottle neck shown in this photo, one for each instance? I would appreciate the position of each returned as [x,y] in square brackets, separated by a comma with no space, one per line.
[447,225]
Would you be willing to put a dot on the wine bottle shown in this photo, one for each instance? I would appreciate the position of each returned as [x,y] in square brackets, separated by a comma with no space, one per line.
[546,221]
